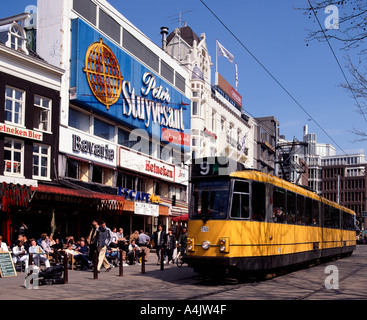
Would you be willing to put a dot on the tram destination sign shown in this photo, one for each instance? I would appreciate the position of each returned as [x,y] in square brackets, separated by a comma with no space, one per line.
[215,166]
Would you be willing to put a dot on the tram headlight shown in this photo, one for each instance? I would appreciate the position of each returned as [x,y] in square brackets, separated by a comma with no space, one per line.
[224,245]
[190,244]
[205,245]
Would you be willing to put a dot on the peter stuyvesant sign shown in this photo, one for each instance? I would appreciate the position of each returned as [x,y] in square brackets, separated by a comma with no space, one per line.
[113,83]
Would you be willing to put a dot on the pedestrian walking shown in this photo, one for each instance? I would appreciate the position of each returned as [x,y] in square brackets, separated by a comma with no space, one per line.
[159,240]
[104,240]
[92,239]
[170,245]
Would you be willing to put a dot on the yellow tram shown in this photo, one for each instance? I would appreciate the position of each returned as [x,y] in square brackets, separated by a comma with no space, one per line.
[245,220]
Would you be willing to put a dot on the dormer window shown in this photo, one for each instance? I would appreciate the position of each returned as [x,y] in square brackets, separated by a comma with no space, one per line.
[14,36]
[17,38]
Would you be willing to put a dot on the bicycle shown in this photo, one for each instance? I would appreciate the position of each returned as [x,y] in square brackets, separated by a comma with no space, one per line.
[180,257]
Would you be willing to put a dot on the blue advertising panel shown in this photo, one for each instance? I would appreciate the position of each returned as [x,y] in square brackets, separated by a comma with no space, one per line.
[114,84]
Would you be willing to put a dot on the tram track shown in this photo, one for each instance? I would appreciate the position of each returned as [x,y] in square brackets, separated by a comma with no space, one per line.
[297,283]
[258,282]
[323,288]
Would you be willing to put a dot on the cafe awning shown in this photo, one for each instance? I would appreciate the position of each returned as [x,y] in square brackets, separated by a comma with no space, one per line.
[181,218]
[103,201]
[72,192]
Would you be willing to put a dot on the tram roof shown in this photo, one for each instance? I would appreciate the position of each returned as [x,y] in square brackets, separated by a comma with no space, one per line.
[268,178]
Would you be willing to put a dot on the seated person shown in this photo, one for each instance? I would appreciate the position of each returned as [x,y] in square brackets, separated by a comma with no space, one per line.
[58,246]
[78,256]
[83,248]
[144,242]
[120,235]
[3,246]
[124,246]
[38,254]
[47,248]
[134,252]
[26,243]
[20,254]
[112,255]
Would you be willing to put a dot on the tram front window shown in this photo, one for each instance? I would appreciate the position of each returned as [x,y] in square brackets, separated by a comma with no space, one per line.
[210,199]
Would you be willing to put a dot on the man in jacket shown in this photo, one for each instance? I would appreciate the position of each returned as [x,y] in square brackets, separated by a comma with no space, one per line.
[92,239]
[104,239]
[160,241]
[170,245]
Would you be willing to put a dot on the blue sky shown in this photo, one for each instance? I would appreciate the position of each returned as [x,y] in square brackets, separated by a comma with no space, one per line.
[275,32]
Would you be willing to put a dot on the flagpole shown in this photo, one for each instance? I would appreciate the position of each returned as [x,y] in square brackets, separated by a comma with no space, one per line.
[236,76]
[216,56]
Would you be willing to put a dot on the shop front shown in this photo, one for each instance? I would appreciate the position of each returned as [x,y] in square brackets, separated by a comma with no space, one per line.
[14,199]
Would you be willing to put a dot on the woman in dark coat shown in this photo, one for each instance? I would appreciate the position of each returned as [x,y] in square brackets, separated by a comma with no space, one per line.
[170,245]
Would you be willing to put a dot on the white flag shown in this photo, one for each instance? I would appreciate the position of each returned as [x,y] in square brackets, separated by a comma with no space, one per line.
[223,52]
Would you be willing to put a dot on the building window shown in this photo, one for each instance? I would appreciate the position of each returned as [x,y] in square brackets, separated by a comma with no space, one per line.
[213,122]
[157,188]
[42,113]
[140,184]
[79,120]
[195,110]
[125,181]
[13,156]
[123,137]
[104,130]
[41,162]
[14,105]
[72,169]
[222,124]
[16,38]
[97,175]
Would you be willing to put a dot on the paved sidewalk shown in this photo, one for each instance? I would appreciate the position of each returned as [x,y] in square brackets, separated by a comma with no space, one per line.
[109,285]
[174,283]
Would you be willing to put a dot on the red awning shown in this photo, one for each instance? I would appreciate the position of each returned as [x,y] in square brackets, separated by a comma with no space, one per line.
[108,201]
[181,218]
[76,193]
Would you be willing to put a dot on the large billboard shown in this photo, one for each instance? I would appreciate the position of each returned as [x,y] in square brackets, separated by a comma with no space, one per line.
[111,82]
[228,90]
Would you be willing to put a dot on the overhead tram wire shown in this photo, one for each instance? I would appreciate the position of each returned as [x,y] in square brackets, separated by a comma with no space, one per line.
[337,61]
[272,76]
[184,66]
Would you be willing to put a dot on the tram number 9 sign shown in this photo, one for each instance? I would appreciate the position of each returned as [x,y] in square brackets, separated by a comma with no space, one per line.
[205,168]
[215,166]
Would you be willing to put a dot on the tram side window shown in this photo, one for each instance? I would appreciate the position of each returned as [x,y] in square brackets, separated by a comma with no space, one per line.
[348,221]
[278,205]
[301,216]
[308,212]
[240,200]
[258,201]
[315,213]
[327,217]
[240,206]
[291,208]
[335,217]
